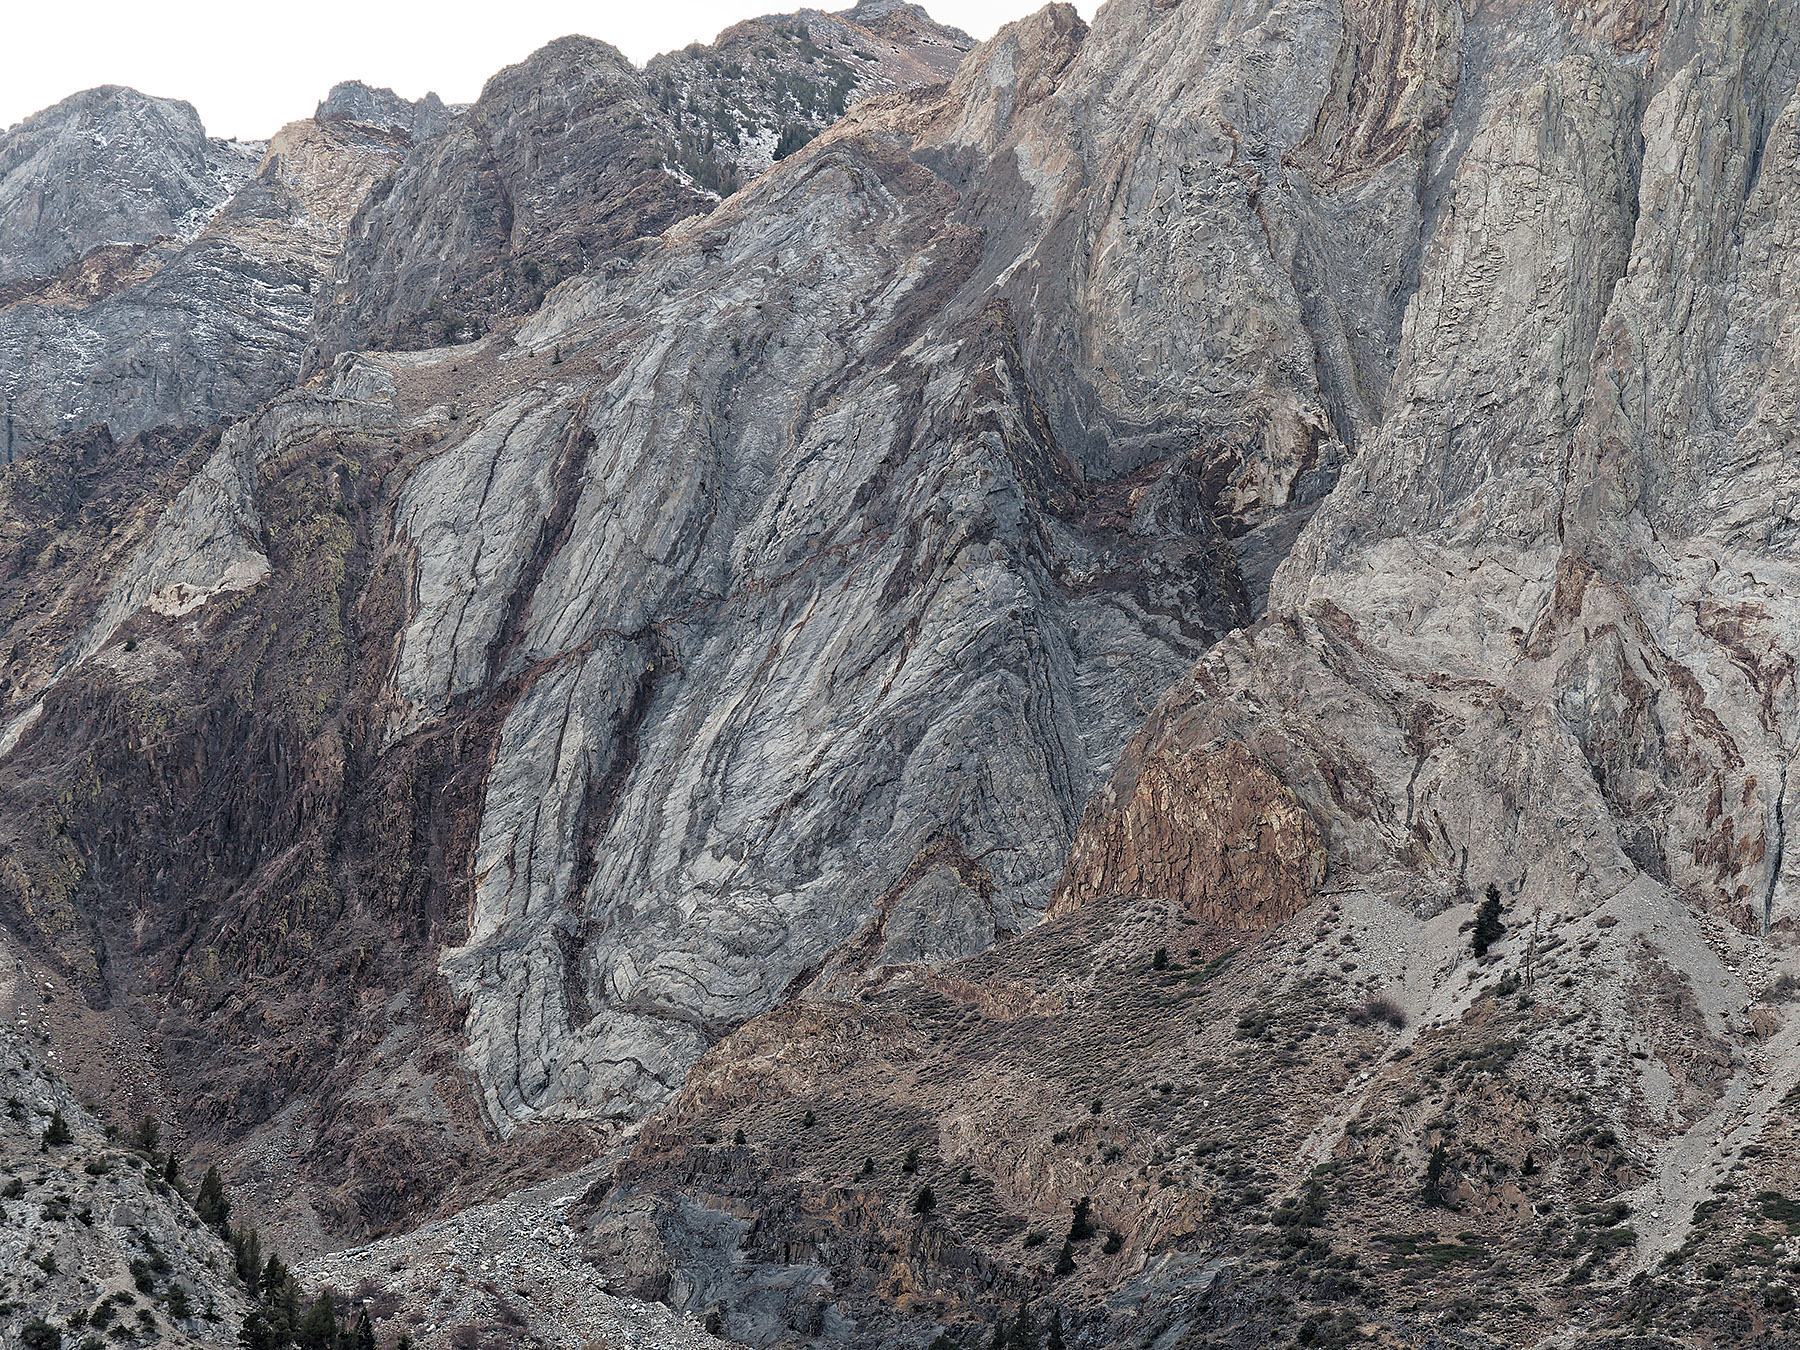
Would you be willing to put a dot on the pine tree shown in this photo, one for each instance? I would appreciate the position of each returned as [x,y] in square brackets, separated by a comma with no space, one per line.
[1488,928]
[1081,1227]
[210,1202]
[365,1333]
[868,1167]
[261,1331]
[943,1342]
[56,1133]
[1438,1164]
[177,1299]
[172,1170]
[246,1247]
[925,1201]
[998,1340]
[1024,1333]
[145,1137]
[318,1327]
[1053,1339]
[1065,1259]
[274,1276]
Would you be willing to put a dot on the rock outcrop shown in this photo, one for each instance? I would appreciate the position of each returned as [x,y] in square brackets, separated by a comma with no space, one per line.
[194,303]
[573,160]
[1237,482]
[94,1237]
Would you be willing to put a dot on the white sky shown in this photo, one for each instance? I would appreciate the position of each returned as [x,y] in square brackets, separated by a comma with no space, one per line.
[251,65]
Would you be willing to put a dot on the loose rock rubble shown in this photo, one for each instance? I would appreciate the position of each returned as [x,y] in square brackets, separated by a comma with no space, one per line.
[510,1273]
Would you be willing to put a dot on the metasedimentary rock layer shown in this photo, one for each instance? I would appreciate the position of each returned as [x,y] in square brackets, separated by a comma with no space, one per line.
[200,304]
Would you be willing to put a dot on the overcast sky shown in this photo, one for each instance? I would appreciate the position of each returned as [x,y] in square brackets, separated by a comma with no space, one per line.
[251,65]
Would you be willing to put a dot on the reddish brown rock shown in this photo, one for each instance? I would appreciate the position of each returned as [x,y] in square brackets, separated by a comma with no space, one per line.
[1214,830]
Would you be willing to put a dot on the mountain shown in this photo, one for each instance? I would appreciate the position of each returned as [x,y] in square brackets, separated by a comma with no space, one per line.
[1148,684]
[94,1236]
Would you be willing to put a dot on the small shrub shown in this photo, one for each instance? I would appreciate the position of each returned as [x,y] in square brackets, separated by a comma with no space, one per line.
[911,1163]
[1378,1009]
[1160,961]
[1113,1242]
[1081,1226]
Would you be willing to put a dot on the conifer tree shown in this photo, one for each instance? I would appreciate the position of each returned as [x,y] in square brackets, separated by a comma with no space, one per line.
[925,1201]
[1488,928]
[1081,1227]
[246,1246]
[1024,1331]
[210,1202]
[274,1276]
[1065,1259]
[318,1326]
[365,1332]
[56,1133]
[146,1135]
[1053,1339]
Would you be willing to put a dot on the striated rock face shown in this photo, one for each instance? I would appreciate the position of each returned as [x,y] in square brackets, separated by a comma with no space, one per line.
[1239,480]
[1214,830]
[574,156]
[199,305]
[768,85]
[106,169]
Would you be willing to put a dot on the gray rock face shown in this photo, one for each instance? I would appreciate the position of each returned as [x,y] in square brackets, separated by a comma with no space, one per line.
[87,1214]
[107,168]
[823,738]
[197,307]
[1537,624]
[768,85]
[574,154]
[788,583]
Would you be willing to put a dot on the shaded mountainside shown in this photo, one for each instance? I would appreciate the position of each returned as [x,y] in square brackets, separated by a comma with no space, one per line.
[778,749]
[573,160]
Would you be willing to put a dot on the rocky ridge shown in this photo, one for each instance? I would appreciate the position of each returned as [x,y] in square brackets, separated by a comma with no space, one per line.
[196,304]
[93,1237]
[716,677]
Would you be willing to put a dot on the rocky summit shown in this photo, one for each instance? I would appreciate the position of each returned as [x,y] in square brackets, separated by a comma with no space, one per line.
[1130,686]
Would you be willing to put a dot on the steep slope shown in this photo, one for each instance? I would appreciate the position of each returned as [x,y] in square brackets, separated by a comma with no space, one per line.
[108,168]
[768,85]
[765,614]
[174,279]
[93,1237]
[573,159]
[633,706]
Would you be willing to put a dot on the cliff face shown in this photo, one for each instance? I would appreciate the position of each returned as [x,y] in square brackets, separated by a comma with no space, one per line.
[1235,482]
[159,278]
[573,160]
